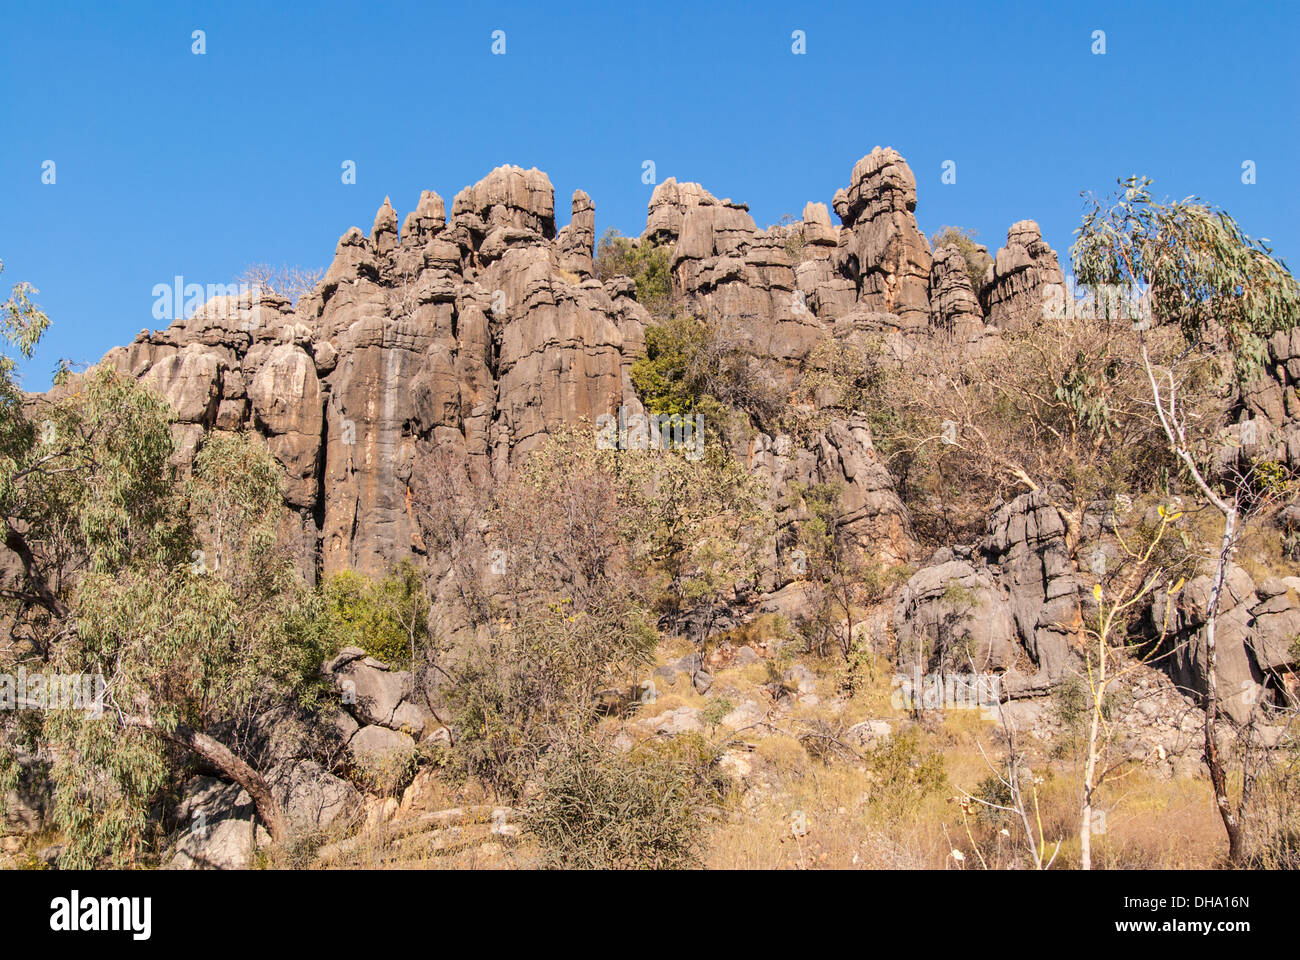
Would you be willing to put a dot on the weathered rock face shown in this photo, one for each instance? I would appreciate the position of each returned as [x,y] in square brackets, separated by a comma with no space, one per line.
[377,696]
[475,335]
[1255,641]
[313,799]
[954,307]
[1016,281]
[1016,602]
[1269,422]
[954,616]
[725,267]
[478,333]
[1011,605]
[217,827]
[873,516]
[1027,544]
[578,239]
[881,247]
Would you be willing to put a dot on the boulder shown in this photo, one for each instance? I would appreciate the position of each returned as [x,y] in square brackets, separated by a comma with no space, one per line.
[217,828]
[314,799]
[377,742]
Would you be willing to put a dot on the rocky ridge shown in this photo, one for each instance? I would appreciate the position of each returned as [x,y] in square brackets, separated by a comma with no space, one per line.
[476,333]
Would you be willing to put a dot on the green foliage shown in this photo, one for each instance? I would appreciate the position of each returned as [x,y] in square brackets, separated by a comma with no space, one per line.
[667,378]
[649,266]
[181,595]
[1202,270]
[88,476]
[713,711]
[1271,479]
[208,635]
[1084,389]
[385,617]
[22,323]
[705,366]
[994,790]
[1073,703]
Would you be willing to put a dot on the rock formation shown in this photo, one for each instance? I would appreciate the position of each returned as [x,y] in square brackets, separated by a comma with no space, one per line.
[881,248]
[1015,283]
[480,332]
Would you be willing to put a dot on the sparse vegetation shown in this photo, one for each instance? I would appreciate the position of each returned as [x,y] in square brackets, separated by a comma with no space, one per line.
[649,266]
[976,256]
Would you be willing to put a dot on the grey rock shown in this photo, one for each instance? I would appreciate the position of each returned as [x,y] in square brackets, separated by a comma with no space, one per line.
[1017,281]
[377,742]
[314,799]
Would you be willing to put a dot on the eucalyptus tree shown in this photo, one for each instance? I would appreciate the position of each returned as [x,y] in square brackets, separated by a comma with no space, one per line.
[1220,286]
[177,593]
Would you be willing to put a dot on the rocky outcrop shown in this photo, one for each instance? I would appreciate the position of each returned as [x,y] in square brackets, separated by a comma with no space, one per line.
[724,267]
[480,333]
[476,334]
[954,307]
[881,247]
[1010,605]
[1268,422]
[954,616]
[1016,282]
[218,828]
[375,695]
[577,240]
[842,455]
[1256,631]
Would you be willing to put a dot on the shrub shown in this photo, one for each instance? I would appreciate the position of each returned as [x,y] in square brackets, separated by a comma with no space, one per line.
[386,774]
[601,809]
[698,365]
[649,266]
[383,617]
[668,378]
[904,773]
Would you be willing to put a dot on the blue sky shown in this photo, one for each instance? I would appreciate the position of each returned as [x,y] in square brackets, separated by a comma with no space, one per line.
[171,163]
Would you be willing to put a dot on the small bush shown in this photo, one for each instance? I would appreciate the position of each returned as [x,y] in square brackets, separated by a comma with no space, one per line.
[904,773]
[667,377]
[382,617]
[600,809]
[386,774]
[649,266]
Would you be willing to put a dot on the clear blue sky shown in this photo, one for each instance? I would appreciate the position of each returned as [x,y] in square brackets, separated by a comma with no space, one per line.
[170,163]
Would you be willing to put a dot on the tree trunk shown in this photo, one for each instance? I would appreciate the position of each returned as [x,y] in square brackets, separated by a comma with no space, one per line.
[1098,691]
[1218,777]
[220,756]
